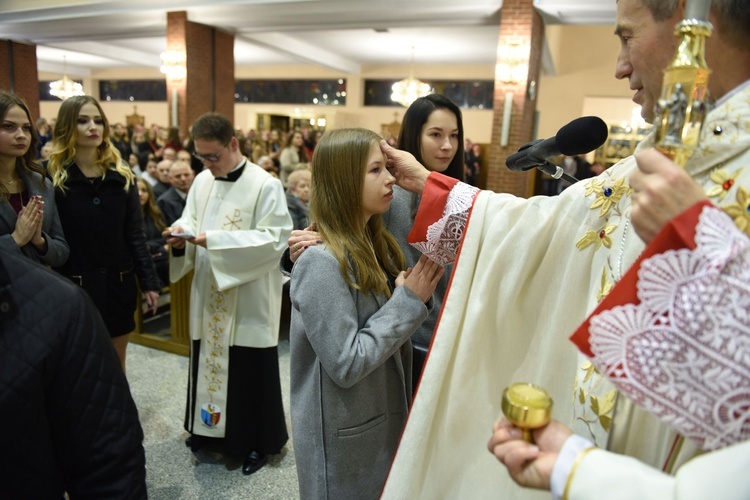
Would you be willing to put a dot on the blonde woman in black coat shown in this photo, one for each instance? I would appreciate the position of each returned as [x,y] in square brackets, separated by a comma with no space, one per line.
[99,208]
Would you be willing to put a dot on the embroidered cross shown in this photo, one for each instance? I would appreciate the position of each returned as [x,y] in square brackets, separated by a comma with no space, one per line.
[233,222]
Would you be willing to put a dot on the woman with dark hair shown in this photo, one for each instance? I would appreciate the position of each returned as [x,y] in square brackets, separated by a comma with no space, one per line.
[173,139]
[100,212]
[153,142]
[292,155]
[28,216]
[432,131]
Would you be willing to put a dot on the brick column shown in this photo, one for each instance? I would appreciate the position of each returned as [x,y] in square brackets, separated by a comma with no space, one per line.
[18,73]
[520,25]
[209,60]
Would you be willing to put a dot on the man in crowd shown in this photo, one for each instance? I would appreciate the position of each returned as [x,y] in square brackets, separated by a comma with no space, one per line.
[169,154]
[184,155]
[232,233]
[162,178]
[172,202]
[545,264]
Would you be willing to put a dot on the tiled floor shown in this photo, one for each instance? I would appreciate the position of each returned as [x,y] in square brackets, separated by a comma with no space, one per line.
[158,382]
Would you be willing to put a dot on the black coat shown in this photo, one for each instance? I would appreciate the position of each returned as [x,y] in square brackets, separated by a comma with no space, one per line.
[123,146]
[171,205]
[155,242]
[69,421]
[103,225]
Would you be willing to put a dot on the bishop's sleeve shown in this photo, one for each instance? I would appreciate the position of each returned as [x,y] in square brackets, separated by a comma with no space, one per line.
[442,217]
[603,474]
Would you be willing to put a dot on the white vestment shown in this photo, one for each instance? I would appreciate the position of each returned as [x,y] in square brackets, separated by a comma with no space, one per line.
[719,474]
[674,336]
[235,299]
[527,274]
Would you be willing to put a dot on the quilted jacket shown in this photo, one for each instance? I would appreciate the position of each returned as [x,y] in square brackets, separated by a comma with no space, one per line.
[67,419]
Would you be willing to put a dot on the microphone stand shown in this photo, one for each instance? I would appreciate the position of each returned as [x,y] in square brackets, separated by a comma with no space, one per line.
[549,168]
[556,172]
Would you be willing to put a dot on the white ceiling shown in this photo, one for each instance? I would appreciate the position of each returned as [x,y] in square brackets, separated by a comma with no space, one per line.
[340,34]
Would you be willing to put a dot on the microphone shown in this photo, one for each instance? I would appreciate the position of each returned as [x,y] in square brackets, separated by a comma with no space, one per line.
[577,137]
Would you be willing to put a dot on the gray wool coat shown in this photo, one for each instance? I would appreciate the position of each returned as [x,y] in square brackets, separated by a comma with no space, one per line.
[350,378]
[57,248]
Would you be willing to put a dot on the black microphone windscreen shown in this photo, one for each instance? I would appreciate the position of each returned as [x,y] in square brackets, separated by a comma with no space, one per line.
[581,135]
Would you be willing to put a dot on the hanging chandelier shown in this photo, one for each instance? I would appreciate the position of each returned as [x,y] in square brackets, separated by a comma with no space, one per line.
[65,87]
[409,89]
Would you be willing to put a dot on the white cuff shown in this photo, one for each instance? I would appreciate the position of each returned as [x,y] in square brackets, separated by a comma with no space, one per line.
[565,459]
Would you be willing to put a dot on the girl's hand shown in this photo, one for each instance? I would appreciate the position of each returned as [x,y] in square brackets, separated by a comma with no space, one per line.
[28,219]
[38,240]
[422,279]
[152,299]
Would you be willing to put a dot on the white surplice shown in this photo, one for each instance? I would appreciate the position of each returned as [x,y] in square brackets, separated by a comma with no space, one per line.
[235,299]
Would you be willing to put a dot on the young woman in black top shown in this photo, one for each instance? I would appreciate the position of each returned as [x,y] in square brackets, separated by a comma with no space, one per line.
[99,208]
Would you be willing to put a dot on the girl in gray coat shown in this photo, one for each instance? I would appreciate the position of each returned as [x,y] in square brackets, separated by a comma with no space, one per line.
[433,132]
[353,311]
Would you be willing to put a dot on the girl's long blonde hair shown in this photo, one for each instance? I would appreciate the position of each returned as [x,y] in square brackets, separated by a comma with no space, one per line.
[64,144]
[367,254]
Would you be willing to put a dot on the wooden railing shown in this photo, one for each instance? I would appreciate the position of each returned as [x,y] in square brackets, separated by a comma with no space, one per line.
[178,341]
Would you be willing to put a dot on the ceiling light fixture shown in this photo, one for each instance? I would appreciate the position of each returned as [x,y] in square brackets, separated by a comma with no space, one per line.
[65,87]
[173,64]
[410,89]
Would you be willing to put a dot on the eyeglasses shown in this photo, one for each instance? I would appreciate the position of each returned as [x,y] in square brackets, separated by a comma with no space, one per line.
[211,158]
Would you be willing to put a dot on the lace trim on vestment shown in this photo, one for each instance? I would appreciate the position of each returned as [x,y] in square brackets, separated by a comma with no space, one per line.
[683,353]
[444,236]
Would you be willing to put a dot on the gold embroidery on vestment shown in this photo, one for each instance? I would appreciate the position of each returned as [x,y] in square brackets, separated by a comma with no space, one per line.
[215,352]
[233,222]
[740,211]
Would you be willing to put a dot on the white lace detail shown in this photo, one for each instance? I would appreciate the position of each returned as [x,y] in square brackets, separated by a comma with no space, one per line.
[444,236]
[683,353]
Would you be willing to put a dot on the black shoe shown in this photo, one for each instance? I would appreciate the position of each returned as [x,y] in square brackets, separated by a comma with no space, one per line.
[254,461]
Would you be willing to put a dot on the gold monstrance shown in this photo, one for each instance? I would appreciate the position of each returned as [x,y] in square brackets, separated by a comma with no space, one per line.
[682,107]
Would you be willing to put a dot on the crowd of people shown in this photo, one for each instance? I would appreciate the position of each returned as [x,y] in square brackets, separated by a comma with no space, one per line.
[415,296]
